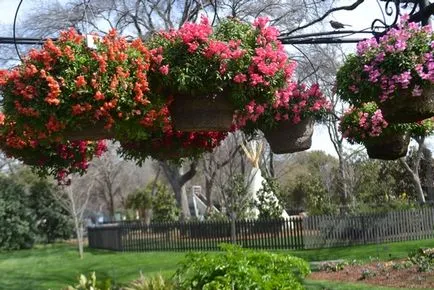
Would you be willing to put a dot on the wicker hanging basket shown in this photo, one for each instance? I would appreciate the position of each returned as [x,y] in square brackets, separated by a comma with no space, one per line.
[90,132]
[389,147]
[407,109]
[205,113]
[289,138]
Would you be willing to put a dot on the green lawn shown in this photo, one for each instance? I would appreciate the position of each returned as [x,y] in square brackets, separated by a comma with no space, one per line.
[55,266]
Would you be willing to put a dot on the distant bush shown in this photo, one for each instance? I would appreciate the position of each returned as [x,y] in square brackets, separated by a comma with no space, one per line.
[17,219]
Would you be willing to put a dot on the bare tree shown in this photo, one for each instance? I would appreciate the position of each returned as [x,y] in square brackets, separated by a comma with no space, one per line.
[413,169]
[116,178]
[74,199]
[213,162]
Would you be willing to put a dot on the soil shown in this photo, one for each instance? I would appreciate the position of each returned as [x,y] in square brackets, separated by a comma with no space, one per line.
[379,273]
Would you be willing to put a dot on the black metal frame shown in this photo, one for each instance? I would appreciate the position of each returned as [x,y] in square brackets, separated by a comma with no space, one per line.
[420,11]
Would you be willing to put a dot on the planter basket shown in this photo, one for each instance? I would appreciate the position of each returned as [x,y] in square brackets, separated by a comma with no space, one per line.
[90,132]
[389,147]
[407,109]
[206,113]
[162,155]
[289,138]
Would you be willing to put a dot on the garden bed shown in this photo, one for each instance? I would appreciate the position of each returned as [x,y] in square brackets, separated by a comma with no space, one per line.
[391,274]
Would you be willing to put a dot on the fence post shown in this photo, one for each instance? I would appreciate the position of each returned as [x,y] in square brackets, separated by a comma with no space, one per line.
[363,228]
[119,237]
[233,229]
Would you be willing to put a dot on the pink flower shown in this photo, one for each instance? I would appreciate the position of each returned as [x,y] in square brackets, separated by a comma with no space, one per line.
[164,69]
[260,22]
[240,78]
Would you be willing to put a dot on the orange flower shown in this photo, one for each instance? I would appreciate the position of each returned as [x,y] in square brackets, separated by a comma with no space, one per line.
[80,81]
[53,125]
[77,109]
[99,96]
[2,119]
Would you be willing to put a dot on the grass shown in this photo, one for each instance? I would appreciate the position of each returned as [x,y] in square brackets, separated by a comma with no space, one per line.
[56,266]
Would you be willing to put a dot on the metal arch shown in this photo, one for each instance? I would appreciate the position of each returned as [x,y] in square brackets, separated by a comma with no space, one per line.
[378,27]
[393,8]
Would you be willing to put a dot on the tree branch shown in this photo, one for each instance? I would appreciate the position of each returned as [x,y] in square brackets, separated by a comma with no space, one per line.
[349,7]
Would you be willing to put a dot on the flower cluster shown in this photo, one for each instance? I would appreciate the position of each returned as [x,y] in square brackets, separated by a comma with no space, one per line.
[164,143]
[245,61]
[293,103]
[54,158]
[67,86]
[402,59]
[359,124]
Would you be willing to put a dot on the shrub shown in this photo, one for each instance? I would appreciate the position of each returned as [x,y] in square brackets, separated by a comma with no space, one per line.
[423,259]
[90,283]
[164,205]
[267,203]
[17,227]
[150,283]
[238,268]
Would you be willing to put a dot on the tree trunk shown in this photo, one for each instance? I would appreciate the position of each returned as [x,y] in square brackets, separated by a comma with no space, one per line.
[182,201]
[416,180]
[209,182]
[429,178]
[178,179]
[343,188]
[79,233]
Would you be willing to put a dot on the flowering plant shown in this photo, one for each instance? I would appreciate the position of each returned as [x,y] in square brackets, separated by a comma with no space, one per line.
[67,86]
[165,143]
[295,102]
[361,124]
[57,159]
[244,62]
[402,59]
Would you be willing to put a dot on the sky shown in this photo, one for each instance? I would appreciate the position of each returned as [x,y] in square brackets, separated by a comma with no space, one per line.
[359,19]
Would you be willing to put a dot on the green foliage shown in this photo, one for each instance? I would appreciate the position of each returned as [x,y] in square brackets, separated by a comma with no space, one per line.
[311,183]
[267,203]
[90,283]
[424,259]
[237,269]
[333,266]
[153,283]
[237,199]
[141,200]
[17,228]
[52,221]
[165,208]
[366,273]
[216,216]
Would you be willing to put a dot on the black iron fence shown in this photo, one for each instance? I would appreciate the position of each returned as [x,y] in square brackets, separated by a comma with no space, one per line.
[294,233]
[206,235]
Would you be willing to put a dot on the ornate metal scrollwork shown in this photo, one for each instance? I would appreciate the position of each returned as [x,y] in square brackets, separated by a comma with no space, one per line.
[393,9]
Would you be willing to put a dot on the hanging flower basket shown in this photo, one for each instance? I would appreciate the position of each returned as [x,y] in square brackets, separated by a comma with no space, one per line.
[408,108]
[91,132]
[210,74]
[57,159]
[388,147]
[209,113]
[395,71]
[67,90]
[366,125]
[288,137]
[165,143]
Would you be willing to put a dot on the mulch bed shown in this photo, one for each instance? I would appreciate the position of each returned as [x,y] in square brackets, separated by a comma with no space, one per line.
[379,273]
